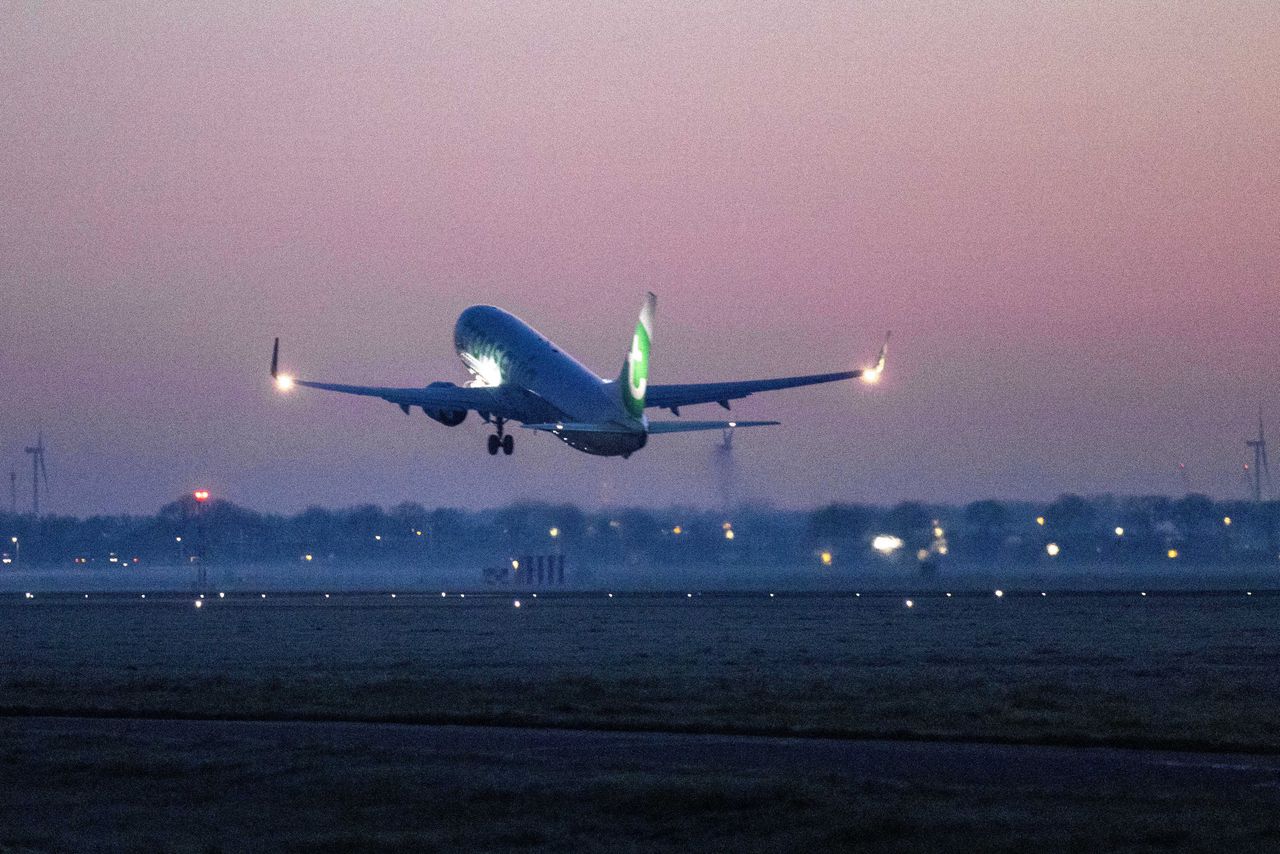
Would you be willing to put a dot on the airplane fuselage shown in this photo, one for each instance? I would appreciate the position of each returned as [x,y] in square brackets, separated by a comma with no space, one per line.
[501,350]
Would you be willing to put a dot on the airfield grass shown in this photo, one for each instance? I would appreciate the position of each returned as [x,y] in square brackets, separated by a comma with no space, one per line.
[1171,671]
[1158,671]
[296,793]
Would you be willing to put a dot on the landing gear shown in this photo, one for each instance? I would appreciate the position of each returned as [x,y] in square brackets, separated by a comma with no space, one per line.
[501,439]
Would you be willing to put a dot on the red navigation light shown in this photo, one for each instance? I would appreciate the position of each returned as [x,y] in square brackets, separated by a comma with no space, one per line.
[201,495]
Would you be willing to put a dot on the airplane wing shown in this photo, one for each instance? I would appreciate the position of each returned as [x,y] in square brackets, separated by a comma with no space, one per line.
[438,397]
[674,396]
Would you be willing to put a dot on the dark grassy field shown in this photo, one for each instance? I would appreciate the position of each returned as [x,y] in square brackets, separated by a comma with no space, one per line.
[1172,670]
[1160,670]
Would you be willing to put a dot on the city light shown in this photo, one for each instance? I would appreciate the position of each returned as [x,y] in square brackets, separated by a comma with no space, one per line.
[728,534]
[1040,521]
[307,558]
[826,558]
[1119,531]
[1172,553]
[1053,549]
[677,530]
[516,603]
[201,495]
[515,564]
[284,382]
[1226,520]
[378,537]
[910,604]
[222,595]
[999,594]
[554,532]
[199,603]
[886,544]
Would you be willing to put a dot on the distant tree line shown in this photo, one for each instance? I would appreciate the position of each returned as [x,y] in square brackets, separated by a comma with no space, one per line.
[1070,530]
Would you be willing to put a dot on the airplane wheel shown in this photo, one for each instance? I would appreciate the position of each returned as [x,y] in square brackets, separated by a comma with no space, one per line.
[508,444]
[493,444]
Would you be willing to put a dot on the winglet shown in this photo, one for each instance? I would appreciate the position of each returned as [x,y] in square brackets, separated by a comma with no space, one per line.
[275,359]
[872,374]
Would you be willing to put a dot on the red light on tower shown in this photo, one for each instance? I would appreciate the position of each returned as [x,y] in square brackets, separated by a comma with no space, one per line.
[201,495]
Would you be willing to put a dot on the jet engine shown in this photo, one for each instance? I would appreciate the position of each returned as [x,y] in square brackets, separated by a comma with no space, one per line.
[447,417]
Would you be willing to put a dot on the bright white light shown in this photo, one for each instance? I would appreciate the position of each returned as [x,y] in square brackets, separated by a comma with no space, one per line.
[910,604]
[733,423]
[728,533]
[199,603]
[688,595]
[264,596]
[144,596]
[554,532]
[1144,593]
[1226,520]
[770,595]
[886,544]
[1040,521]
[326,595]
[999,594]
[1119,531]
[393,595]
[1042,593]
[535,596]
[516,603]
[378,537]
[462,596]
[1247,593]
[31,596]
[442,594]
[87,595]
[1052,549]
[948,595]
[485,369]
[937,531]
[222,596]
[284,382]
[871,376]
[610,595]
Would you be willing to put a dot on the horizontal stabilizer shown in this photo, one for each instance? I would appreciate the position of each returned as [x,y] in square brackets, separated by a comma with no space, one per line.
[691,426]
[577,427]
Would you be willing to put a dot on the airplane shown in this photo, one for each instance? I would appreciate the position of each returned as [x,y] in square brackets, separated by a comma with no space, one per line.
[519,375]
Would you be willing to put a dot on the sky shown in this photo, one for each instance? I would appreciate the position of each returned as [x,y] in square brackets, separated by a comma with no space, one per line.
[1066,212]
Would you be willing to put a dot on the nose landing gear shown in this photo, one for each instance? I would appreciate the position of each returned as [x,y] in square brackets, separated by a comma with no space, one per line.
[502,440]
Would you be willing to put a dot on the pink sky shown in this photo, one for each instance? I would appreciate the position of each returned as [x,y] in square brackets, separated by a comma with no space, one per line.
[1067,213]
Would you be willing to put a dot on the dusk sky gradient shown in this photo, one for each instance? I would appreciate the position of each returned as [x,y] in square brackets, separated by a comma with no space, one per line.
[1067,213]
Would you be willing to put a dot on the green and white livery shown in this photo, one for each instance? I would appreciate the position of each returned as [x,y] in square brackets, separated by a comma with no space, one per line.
[519,375]
[634,380]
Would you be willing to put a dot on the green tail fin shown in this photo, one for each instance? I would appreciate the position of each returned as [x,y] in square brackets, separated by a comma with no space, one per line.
[634,379]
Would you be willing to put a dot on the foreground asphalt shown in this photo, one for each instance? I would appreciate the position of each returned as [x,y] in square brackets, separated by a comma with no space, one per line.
[563,753]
